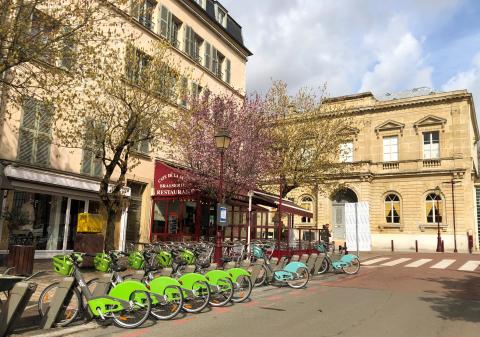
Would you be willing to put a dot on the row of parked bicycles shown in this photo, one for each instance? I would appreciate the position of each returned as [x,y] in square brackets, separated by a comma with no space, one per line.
[170,278]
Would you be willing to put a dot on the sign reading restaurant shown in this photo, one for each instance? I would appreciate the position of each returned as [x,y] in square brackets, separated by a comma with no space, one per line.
[169,182]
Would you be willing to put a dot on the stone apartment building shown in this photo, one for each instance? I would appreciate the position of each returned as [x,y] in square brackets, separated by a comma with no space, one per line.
[416,166]
[52,185]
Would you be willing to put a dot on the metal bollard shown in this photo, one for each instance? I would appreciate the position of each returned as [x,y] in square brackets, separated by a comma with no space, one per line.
[416,246]
[391,243]
[470,243]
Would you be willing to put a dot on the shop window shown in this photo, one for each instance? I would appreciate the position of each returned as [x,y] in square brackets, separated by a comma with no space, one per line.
[434,208]
[35,132]
[37,218]
[392,209]
[160,216]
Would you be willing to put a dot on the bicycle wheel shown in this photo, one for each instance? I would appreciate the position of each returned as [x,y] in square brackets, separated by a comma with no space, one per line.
[70,310]
[224,295]
[262,277]
[353,268]
[137,313]
[243,289]
[200,298]
[301,280]
[324,267]
[171,307]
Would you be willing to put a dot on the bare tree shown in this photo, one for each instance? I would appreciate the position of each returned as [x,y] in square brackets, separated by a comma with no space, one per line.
[308,136]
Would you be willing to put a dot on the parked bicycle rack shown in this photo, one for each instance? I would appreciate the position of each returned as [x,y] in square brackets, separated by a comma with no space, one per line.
[15,304]
[62,295]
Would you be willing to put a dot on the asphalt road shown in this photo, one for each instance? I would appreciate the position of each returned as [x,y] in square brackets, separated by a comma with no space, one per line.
[380,301]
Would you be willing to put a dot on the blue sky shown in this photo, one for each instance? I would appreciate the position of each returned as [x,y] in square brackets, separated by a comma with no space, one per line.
[362,45]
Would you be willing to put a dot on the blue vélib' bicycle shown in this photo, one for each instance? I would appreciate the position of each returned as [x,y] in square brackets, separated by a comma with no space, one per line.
[348,263]
[294,274]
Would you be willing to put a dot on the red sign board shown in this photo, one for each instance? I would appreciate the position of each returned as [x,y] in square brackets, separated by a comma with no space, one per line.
[169,182]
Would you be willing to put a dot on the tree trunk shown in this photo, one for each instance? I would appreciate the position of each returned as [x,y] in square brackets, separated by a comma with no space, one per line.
[110,233]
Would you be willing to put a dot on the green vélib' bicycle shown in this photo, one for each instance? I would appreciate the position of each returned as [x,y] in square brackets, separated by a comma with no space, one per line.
[128,304]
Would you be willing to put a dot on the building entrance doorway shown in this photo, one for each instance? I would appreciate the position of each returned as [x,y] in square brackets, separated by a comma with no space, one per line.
[339,199]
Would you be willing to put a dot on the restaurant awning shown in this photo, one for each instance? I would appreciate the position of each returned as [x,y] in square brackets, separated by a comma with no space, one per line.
[287,206]
[4,182]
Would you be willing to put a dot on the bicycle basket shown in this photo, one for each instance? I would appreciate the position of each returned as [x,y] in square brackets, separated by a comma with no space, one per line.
[320,248]
[102,262]
[188,256]
[136,260]
[63,265]
[257,252]
[164,259]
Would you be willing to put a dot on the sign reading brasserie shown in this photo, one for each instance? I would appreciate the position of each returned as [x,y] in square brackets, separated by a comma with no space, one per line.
[169,182]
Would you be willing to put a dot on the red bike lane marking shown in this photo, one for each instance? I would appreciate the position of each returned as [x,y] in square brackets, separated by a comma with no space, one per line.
[221,310]
[136,333]
[183,320]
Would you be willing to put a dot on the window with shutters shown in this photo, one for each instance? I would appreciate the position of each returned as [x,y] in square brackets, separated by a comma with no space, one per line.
[91,160]
[169,26]
[167,83]
[142,146]
[228,71]
[42,32]
[390,148]
[215,61]
[142,10]
[208,55]
[192,44]
[431,145]
[183,92]
[34,138]
[136,62]
[196,90]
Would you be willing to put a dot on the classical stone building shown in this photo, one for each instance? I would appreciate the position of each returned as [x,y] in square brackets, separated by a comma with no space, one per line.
[415,158]
[48,186]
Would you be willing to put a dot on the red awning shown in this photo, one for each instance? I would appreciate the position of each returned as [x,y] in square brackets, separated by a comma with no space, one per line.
[287,206]
[169,181]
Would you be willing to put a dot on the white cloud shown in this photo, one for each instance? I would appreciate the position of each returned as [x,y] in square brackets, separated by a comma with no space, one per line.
[352,45]
[399,60]
[469,79]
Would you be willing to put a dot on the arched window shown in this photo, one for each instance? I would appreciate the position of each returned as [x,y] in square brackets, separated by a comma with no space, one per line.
[306,202]
[392,209]
[434,208]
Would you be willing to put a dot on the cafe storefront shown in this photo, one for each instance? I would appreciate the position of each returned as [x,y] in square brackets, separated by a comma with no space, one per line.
[180,214]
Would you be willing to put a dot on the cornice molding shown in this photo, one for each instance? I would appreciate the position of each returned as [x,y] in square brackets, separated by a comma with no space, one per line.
[429,121]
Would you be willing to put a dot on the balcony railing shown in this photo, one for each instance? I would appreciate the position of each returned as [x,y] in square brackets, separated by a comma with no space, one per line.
[391,166]
[428,163]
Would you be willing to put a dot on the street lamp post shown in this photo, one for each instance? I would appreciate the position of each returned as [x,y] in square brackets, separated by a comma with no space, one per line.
[222,142]
[437,214]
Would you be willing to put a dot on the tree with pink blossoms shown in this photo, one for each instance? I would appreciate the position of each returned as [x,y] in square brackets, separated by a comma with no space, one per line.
[246,160]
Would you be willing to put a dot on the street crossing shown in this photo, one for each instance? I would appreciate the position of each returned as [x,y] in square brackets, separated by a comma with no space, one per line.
[471,265]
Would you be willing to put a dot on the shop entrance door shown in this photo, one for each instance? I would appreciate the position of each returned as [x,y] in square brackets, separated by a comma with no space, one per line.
[74,208]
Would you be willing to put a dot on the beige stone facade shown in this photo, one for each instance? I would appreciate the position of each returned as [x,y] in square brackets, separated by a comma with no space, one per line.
[51,184]
[407,149]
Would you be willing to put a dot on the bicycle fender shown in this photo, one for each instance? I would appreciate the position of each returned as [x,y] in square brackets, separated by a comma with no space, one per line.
[124,289]
[165,285]
[214,276]
[235,273]
[292,267]
[188,280]
[349,258]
